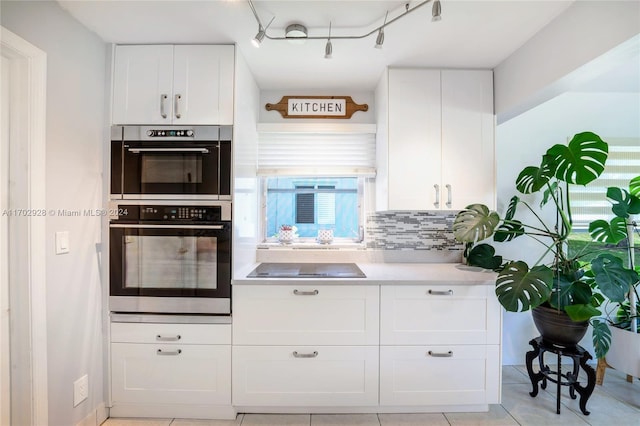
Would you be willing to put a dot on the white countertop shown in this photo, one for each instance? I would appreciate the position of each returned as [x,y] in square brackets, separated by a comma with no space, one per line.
[388,273]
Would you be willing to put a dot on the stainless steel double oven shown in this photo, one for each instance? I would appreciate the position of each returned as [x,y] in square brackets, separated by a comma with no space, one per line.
[170,220]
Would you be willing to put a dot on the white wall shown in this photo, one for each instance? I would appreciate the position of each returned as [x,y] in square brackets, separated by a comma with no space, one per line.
[547,65]
[520,142]
[75,133]
[245,148]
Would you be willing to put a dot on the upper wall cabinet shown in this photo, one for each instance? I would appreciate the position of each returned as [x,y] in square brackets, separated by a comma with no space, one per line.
[436,143]
[166,84]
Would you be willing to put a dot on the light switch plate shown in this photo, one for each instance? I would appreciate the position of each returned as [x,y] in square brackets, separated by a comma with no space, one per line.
[62,242]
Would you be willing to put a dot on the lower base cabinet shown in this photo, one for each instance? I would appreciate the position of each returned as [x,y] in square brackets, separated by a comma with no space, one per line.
[309,376]
[176,374]
[439,375]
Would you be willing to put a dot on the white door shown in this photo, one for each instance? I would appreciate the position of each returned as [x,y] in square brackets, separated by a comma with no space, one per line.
[23,385]
[5,377]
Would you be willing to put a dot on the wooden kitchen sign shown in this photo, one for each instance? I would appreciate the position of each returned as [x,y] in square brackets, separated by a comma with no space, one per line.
[316,107]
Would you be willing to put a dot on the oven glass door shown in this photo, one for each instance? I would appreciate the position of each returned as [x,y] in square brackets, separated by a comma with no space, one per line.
[200,169]
[180,261]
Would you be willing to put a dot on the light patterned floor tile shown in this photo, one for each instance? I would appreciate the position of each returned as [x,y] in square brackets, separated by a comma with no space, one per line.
[540,410]
[411,419]
[344,420]
[276,420]
[192,422]
[512,375]
[125,421]
[605,410]
[496,415]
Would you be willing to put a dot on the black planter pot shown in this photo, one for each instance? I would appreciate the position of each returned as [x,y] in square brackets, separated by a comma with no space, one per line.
[557,328]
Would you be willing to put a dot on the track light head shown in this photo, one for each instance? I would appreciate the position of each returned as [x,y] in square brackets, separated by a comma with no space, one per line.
[257,40]
[328,50]
[436,11]
[380,39]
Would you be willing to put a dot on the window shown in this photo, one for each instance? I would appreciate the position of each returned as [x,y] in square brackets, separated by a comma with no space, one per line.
[313,203]
[315,180]
[590,202]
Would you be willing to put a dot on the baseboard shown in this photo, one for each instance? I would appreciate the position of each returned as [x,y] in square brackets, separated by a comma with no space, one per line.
[95,417]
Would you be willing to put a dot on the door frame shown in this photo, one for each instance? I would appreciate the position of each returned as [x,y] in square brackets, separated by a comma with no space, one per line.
[28,109]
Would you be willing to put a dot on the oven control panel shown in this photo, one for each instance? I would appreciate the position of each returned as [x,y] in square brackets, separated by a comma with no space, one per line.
[153,133]
[168,214]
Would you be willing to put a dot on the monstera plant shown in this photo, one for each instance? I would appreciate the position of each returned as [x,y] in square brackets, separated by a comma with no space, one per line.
[556,280]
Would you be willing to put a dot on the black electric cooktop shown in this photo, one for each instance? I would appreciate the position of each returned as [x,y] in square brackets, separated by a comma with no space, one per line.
[307,270]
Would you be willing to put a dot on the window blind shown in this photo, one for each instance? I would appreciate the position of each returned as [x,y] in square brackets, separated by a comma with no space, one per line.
[590,202]
[316,154]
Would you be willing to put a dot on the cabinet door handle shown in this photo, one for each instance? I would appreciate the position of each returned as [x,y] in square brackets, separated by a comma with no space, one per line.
[449,202]
[305,293]
[441,292]
[163,98]
[177,106]
[171,353]
[440,354]
[437,203]
[299,355]
[162,338]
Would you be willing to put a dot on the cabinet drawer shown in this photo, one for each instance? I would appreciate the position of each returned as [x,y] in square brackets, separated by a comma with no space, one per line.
[305,375]
[439,314]
[305,315]
[177,374]
[433,375]
[185,334]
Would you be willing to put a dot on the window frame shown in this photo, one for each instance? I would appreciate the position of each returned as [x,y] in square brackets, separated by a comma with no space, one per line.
[360,192]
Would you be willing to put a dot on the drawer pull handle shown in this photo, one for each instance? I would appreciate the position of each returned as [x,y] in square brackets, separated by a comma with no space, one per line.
[305,293]
[437,202]
[175,338]
[440,354]
[163,98]
[299,355]
[173,353]
[441,292]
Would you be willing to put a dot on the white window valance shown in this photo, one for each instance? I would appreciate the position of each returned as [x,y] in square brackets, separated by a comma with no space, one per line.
[316,154]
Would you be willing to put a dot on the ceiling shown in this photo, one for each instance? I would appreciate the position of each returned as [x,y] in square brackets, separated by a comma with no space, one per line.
[471,34]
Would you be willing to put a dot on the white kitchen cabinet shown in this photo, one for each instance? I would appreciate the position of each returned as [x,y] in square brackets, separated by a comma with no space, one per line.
[305,345]
[308,376]
[173,84]
[439,314]
[305,315]
[437,140]
[439,375]
[179,370]
[440,345]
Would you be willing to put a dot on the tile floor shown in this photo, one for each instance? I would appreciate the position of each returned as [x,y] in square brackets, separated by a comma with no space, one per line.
[616,402]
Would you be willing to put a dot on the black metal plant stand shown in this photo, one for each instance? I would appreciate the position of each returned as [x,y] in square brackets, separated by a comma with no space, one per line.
[579,356]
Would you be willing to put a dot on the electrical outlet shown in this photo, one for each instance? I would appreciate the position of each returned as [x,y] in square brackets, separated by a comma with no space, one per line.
[80,390]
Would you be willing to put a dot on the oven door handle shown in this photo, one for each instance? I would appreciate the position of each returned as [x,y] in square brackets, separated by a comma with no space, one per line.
[122,225]
[139,150]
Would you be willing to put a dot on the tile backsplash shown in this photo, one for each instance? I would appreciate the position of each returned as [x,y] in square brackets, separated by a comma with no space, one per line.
[414,235]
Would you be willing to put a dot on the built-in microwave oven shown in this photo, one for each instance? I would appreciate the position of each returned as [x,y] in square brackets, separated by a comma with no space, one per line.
[169,162]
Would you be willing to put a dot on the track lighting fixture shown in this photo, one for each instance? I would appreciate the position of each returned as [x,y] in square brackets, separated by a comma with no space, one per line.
[298,32]
[436,11]
[380,37]
[328,48]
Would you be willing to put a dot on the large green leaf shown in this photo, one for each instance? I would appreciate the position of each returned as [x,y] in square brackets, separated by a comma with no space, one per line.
[613,279]
[581,312]
[475,223]
[508,231]
[531,179]
[546,195]
[483,255]
[567,291]
[519,288]
[634,186]
[582,161]
[511,210]
[624,203]
[601,336]
[605,232]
